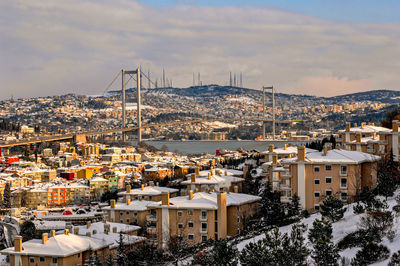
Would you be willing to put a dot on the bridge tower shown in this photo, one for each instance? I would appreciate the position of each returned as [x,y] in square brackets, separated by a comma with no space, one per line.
[139,107]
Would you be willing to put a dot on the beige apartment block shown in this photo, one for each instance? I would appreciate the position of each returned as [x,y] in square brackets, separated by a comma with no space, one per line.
[316,175]
[201,216]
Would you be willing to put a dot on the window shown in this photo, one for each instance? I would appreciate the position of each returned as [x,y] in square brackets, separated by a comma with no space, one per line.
[343,195]
[238,219]
[31,260]
[127,212]
[54,260]
[204,238]
[343,182]
[316,181]
[121,221]
[180,213]
[121,213]
[180,225]
[127,220]
[190,212]
[343,169]
[203,215]
[316,194]
[316,169]
[328,180]
[316,207]
[328,192]
[41,259]
[150,197]
[328,167]
[204,227]
[190,236]
[190,224]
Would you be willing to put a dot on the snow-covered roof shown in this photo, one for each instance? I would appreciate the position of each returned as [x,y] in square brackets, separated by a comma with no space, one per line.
[203,200]
[135,205]
[367,129]
[337,157]
[149,190]
[58,246]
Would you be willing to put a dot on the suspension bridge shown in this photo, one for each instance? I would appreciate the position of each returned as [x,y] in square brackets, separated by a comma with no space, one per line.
[135,75]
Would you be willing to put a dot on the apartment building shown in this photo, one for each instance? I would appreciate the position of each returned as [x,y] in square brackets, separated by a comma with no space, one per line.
[214,181]
[62,249]
[202,216]
[129,212]
[150,193]
[286,151]
[316,175]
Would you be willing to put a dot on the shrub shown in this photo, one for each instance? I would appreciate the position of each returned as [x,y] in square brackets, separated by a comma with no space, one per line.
[333,209]
[358,208]
[354,239]
[370,253]
[395,259]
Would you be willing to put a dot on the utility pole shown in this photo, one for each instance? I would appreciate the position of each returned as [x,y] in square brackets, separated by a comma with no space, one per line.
[241,84]
[123,105]
[198,78]
[163,74]
[230,79]
[194,82]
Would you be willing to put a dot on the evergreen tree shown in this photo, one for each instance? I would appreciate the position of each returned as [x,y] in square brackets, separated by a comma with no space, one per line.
[271,208]
[120,257]
[28,230]
[333,209]
[277,249]
[369,254]
[110,261]
[294,206]
[221,254]
[7,196]
[395,259]
[386,181]
[320,235]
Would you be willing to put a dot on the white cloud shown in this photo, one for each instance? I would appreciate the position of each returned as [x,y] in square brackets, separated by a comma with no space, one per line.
[55,47]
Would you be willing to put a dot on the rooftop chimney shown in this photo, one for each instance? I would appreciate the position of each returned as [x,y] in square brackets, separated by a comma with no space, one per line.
[236,189]
[66,232]
[325,151]
[88,224]
[348,126]
[358,137]
[128,189]
[18,243]
[45,237]
[88,234]
[193,178]
[165,198]
[112,203]
[157,184]
[374,135]
[114,229]
[190,194]
[274,159]
[271,148]
[362,125]
[76,231]
[52,233]
[94,231]
[285,147]
[197,171]
[395,126]
[355,124]
[142,186]
[209,176]
[226,172]
[128,201]
[301,153]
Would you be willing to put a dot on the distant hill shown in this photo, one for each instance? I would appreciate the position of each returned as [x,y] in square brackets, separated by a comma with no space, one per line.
[384,96]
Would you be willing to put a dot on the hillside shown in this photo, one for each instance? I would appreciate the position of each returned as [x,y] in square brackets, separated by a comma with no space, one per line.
[383,96]
[342,228]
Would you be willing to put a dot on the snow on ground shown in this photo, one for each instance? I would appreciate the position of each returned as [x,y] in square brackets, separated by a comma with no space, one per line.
[347,225]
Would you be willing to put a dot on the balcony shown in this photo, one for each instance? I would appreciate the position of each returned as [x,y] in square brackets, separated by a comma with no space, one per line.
[151,218]
[285,199]
[285,187]
[151,230]
[285,175]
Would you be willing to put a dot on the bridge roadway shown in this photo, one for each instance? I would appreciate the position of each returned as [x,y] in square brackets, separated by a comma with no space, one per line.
[58,137]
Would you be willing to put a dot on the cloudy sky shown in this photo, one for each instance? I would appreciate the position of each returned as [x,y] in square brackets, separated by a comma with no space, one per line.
[323,48]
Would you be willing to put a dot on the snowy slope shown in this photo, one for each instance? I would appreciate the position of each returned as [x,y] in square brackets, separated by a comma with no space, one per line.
[343,227]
